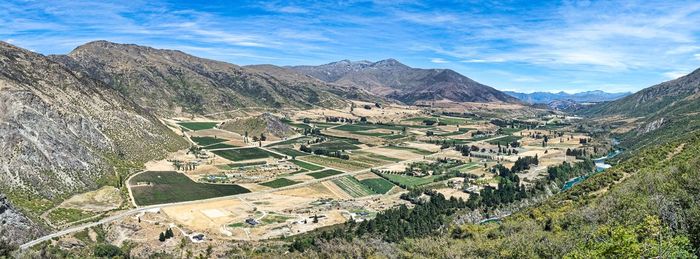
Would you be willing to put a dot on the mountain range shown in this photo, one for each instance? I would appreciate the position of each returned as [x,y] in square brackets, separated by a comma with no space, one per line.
[582,97]
[662,112]
[391,79]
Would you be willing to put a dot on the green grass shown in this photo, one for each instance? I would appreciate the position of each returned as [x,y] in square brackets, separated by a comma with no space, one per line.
[454,133]
[453,121]
[306,165]
[245,154]
[392,136]
[274,218]
[279,182]
[412,149]
[169,187]
[504,140]
[409,181]
[352,186]
[219,146]
[324,173]
[290,152]
[198,125]
[378,185]
[509,131]
[365,127]
[239,165]
[206,141]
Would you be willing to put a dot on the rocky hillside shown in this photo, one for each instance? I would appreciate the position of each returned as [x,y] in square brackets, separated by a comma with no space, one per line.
[168,81]
[62,132]
[393,79]
[266,124]
[673,106]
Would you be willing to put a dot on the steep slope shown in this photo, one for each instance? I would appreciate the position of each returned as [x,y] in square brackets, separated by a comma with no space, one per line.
[63,133]
[266,124]
[664,111]
[395,80]
[588,96]
[169,80]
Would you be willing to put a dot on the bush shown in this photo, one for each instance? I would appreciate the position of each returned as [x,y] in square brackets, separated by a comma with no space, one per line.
[107,250]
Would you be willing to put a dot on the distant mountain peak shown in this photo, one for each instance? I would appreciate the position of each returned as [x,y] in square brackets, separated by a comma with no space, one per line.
[393,79]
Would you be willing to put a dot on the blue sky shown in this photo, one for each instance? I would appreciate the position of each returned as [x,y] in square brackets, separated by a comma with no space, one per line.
[510,45]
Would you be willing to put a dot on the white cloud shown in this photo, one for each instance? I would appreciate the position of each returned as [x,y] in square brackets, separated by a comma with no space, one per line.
[439,61]
[697,56]
[675,74]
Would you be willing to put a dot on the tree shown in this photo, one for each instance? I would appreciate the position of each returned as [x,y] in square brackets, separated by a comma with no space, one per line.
[107,250]
[315,219]
[161,237]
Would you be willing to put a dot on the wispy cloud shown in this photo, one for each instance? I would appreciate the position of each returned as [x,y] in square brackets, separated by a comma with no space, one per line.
[541,45]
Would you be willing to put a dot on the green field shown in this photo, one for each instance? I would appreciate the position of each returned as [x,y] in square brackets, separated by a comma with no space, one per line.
[365,127]
[352,186]
[169,187]
[378,185]
[206,141]
[324,173]
[509,131]
[306,165]
[290,151]
[453,121]
[412,149]
[245,154]
[239,165]
[409,181]
[504,140]
[219,146]
[279,182]
[378,156]
[198,125]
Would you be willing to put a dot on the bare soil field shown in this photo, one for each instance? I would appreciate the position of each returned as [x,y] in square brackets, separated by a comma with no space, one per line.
[104,199]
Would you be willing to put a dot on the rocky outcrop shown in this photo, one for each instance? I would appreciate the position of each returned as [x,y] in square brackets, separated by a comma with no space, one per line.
[15,228]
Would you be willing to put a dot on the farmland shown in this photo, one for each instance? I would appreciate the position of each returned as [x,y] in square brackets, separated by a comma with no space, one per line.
[206,141]
[198,125]
[409,181]
[352,186]
[378,185]
[279,182]
[245,154]
[151,188]
[324,173]
[219,146]
[290,152]
[306,166]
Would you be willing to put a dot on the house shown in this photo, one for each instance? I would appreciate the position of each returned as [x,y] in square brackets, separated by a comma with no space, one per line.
[197,238]
[252,221]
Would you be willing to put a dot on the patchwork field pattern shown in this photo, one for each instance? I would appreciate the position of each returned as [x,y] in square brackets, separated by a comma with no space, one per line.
[245,154]
[324,173]
[378,185]
[352,186]
[152,187]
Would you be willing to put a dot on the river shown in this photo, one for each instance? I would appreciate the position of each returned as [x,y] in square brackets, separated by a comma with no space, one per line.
[600,165]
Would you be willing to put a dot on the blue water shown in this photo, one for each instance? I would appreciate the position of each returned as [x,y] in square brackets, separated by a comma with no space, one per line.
[600,167]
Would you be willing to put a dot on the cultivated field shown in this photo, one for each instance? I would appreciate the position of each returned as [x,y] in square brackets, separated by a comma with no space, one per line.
[166,187]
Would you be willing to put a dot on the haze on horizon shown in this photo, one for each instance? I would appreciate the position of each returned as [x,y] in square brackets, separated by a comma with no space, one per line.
[569,46]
